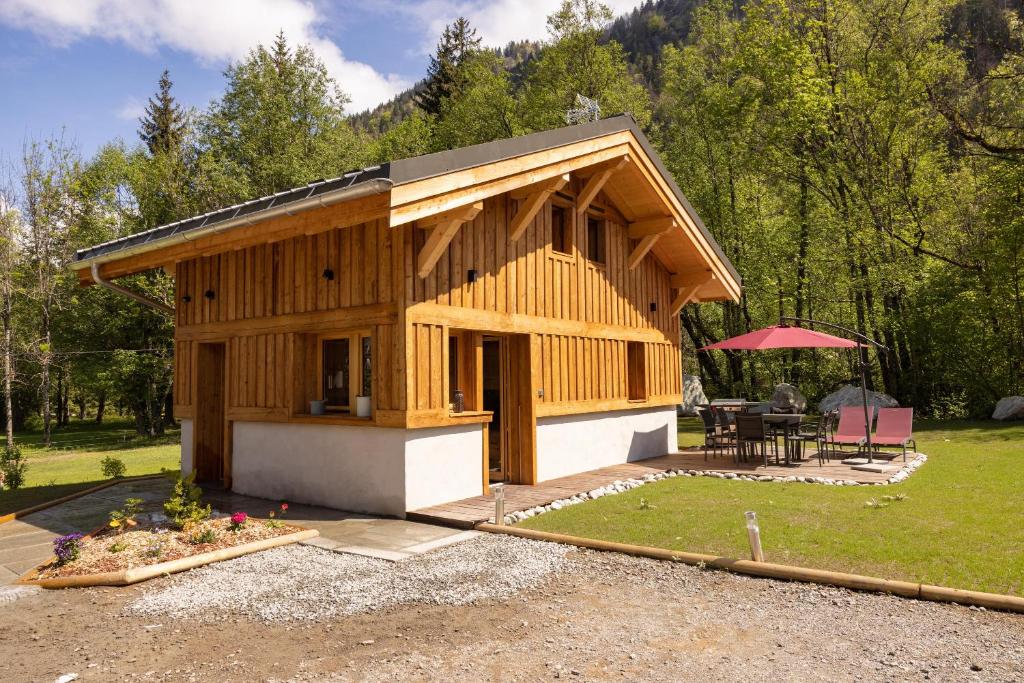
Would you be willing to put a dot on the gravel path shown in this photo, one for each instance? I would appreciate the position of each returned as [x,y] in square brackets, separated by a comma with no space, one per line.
[302,583]
[496,608]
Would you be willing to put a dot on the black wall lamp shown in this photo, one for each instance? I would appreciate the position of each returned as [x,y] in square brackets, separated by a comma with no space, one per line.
[209,294]
[328,274]
[654,306]
[471,276]
[186,298]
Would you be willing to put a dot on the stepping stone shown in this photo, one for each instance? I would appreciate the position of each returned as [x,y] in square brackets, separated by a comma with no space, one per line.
[855,461]
[874,467]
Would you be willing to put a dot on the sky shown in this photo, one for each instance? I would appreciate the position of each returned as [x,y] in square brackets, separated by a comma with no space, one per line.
[85,68]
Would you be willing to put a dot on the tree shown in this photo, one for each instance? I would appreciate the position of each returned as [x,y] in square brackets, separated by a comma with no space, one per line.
[163,125]
[484,109]
[9,256]
[445,76]
[48,174]
[579,61]
[281,122]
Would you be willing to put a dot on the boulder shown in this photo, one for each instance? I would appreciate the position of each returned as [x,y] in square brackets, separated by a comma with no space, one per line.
[788,399]
[1009,408]
[693,396]
[849,395]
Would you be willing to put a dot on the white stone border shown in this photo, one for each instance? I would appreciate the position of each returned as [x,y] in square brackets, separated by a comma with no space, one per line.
[621,486]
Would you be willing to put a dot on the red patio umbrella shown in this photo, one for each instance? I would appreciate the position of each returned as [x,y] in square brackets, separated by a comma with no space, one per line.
[783,336]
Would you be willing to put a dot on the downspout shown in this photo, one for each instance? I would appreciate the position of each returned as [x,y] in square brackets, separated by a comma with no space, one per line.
[142,299]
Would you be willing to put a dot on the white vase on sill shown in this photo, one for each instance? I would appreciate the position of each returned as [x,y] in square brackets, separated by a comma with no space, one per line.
[362,406]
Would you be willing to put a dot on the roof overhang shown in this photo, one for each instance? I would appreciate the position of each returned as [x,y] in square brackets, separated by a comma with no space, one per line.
[639,187]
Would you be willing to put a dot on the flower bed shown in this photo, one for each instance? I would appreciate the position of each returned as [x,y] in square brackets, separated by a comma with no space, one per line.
[111,552]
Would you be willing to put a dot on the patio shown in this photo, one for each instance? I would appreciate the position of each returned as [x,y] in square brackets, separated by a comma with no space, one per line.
[466,513]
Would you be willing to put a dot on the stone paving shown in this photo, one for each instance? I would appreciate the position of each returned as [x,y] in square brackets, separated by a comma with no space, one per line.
[27,542]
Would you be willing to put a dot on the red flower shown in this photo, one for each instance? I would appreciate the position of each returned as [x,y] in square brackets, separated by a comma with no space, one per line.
[284,507]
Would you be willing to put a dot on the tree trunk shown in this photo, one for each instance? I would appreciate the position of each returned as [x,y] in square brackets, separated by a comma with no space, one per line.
[8,372]
[803,244]
[44,388]
[101,405]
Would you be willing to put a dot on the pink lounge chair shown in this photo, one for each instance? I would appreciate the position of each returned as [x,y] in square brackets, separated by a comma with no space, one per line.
[895,428]
[850,431]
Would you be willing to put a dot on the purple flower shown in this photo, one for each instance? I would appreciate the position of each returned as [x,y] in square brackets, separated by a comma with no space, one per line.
[67,548]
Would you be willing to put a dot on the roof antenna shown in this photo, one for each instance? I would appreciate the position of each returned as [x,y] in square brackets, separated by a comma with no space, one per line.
[585,111]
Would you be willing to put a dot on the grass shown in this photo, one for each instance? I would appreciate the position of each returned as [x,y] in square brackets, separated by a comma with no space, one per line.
[74,463]
[960,523]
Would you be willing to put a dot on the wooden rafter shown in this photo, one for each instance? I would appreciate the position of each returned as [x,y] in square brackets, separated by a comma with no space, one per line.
[532,203]
[684,297]
[641,250]
[597,181]
[651,226]
[441,235]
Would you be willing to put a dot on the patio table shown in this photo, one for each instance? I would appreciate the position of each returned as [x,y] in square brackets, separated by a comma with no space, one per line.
[790,422]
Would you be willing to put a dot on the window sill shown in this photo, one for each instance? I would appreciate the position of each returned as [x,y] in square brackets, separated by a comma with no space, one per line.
[335,418]
[559,256]
[471,416]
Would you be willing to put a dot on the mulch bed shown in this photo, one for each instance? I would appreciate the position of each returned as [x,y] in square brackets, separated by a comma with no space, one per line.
[149,544]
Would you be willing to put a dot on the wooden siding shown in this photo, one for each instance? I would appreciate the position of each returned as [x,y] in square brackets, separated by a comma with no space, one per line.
[286,277]
[526,277]
[271,300]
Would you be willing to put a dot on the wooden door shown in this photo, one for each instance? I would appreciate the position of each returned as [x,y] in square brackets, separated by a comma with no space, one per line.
[519,405]
[210,429]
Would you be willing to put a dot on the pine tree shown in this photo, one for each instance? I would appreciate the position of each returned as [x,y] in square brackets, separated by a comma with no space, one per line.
[444,74]
[163,125]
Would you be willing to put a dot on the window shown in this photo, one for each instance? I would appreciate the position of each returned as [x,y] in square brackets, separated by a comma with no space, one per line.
[636,371]
[595,240]
[561,229]
[346,364]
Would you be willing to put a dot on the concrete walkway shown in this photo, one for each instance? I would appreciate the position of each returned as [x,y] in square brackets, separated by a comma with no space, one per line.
[27,542]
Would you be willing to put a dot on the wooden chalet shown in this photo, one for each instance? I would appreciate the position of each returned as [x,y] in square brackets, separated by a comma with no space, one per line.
[539,277]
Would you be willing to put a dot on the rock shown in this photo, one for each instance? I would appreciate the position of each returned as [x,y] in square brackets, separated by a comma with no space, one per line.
[1009,408]
[849,395]
[693,395]
[788,399]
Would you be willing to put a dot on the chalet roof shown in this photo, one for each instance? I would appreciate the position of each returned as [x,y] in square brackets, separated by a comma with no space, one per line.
[382,178]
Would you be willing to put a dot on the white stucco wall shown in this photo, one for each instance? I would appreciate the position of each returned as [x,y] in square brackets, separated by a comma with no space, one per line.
[568,444]
[186,447]
[443,464]
[349,468]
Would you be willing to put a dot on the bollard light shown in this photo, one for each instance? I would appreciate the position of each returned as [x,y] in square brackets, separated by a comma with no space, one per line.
[754,536]
[499,504]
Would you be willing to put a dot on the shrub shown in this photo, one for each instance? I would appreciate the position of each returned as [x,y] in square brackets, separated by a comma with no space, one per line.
[117,546]
[113,468]
[12,468]
[125,517]
[67,548]
[203,536]
[183,507]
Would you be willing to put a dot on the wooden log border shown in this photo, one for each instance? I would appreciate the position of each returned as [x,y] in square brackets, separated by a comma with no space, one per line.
[126,577]
[907,589]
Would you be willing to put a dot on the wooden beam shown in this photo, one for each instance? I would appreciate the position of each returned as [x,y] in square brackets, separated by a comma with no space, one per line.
[641,250]
[651,226]
[532,203]
[441,236]
[690,279]
[684,297]
[596,182]
[459,213]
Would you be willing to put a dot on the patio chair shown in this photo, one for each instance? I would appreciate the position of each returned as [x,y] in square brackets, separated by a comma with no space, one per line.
[816,431]
[750,433]
[714,438]
[895,427]
[850,430]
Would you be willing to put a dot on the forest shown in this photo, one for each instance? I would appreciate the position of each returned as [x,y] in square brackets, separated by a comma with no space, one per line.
[860,162]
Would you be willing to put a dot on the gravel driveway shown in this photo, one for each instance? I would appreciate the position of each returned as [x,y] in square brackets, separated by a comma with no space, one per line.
[502,609]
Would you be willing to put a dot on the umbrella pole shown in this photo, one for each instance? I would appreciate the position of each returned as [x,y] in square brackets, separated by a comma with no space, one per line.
[864,396]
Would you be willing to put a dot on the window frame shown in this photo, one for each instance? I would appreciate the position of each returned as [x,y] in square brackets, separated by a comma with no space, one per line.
[602,229]
[355,367]
[636,371]
[568,227]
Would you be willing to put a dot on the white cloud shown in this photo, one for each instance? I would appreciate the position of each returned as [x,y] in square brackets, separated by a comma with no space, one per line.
[214,31]
[498,22]
[131,109]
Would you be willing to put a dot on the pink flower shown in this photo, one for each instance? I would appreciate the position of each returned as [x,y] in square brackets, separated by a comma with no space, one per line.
[284,507]
[239,518]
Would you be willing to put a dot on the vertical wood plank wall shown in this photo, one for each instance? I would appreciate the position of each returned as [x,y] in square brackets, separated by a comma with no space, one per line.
[282,285]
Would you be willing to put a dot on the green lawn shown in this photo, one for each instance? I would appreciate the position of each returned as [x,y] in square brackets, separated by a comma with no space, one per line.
[961,524]
[74,463]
